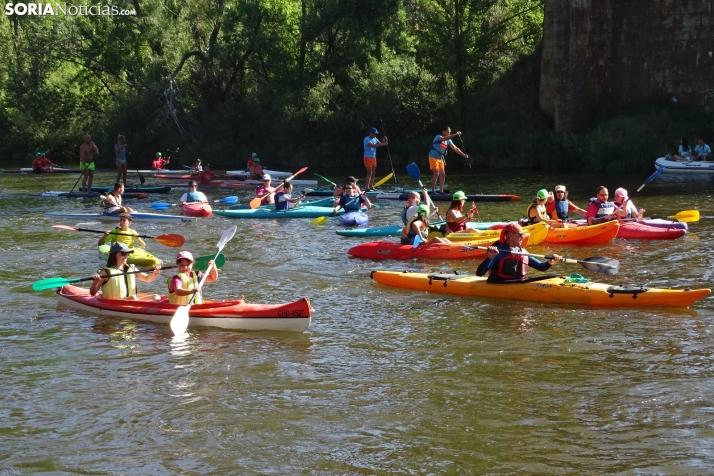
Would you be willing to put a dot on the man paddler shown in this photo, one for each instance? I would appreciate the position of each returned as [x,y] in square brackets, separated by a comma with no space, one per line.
[87,151]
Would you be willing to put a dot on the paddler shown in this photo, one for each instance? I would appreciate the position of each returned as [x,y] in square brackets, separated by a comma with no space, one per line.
[419,226]
[352,202]
[123,228]
[112,201]
[256,170]
[193,195]
[159,162]
[536,211]
[197,167]
[87,151]
[41,163]
[186,283]
[113,281]
[266,191]
[369,158]
[284,199]
[629,210]
[600,209]
[557,206]
[456,221]
[503,266]
[351,180]
[410,206]
[437,156]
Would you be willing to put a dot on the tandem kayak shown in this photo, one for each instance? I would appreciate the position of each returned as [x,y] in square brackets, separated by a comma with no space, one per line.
[136,216]
[677,167]
[396,230]
[390,250]
[156,189]
[140,257]
[546,289]
[60,194]
[580,235]
[436,197]
[357,218]
[235,314]
[197,209]
[298,212]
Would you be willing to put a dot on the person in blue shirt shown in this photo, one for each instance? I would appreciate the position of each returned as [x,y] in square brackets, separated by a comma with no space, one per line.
[284,199]
[437,156]
[352,202]
[684,151]
[702,151]
[370,155]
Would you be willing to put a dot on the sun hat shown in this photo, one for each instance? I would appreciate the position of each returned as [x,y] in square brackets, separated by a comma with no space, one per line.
[266,177]
[374,130]
[352,179]
[621,192]
[560,188]
[459,195]
[542,194]
[184,255]
[118,246]
[423,209]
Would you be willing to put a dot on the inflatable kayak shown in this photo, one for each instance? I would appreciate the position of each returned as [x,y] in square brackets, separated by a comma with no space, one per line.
[140,257]
[298,212]
[136,216]
[391,250]
[537,233]
[581,235]
[197,209]
[157,189]
[357,218]
[437,197]
[396,230]
[60,194]
[546,289]
[639,231]
[675,166]
[236,314]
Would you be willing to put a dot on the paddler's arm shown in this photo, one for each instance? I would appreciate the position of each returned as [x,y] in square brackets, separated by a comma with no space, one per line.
[98,281]
[488,262]
[149,277]
[366,200]
[103,238]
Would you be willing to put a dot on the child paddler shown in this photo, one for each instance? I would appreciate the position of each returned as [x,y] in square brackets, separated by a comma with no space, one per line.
[113,281]
[504,266]
[123,228]
[185,283]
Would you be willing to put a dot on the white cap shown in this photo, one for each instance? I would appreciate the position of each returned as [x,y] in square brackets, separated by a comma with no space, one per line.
[266,177]
[253,154]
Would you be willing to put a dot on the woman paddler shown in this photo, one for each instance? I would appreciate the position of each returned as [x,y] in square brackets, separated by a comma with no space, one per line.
[184,284]
[504,266]
[113,281]
[419,226]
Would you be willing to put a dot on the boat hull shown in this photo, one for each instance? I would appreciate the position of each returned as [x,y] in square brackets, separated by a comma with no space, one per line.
[289,317]
[633,230]
[136,216]
[554,290]
[436,197]
[537,232]
[157,189]
[61,194]
[272,213]
[583,235]
[396,230]
[201,210]
[353,219]
[677,167]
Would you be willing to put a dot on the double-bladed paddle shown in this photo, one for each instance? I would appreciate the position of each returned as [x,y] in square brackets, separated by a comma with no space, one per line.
[201,264]
[172,240]
[415,173]
[685,216]
[596,264]
[179,321]
[255,203]
[384,180]
[334,185]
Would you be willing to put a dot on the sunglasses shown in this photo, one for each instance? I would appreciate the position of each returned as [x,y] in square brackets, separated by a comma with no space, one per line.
[560,191]
[520,235]
[125,253]
[349,188]
[603,195]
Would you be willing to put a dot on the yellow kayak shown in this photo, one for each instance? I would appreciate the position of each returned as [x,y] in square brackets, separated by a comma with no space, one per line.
[551,289]
[538,233]
[140,257]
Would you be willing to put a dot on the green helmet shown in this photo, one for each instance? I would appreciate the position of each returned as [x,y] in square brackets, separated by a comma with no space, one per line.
[39,154]
[423,209]
[256,160]
[542,194]
[459,195]
[158,154]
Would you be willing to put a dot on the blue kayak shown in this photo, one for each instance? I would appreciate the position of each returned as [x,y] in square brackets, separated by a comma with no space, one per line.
[355,218]
[298,212]
[325,202]
[396,230]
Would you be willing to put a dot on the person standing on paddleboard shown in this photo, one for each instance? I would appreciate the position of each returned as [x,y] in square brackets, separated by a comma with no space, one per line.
[120,153]
[437,156]
[370,156]
[87,151]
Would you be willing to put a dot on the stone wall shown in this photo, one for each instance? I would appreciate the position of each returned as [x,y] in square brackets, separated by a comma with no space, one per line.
[601,55]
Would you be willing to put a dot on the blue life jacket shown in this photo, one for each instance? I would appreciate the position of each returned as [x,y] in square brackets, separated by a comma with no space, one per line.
[604,209]
[561,208]
[282,205]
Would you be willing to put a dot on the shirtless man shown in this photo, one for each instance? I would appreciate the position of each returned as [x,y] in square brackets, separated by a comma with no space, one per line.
[87,151]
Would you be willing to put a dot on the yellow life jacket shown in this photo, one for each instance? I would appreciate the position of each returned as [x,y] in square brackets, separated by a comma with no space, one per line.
[532,213]
[127,240]
[187,282]
[119,287]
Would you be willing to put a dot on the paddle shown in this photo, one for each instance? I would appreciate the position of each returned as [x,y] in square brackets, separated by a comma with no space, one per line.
[389,154]
[468,160]
[415,173]
[417,241]
[201,264]
[649,179]
[232,200]
[179,321]
[596,264]
[172,240]
[141,177]
[322,220]
[686,216]
[83,167]
[384,180]
[334,185]
[255,203]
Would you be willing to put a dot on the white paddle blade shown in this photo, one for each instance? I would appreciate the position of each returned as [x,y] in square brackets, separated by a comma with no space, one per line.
[226,237]
[179,322]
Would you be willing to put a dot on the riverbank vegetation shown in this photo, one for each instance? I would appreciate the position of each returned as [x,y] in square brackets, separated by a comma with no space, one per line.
[301,82]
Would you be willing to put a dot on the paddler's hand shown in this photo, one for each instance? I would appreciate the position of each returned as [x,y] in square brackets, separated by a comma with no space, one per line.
[492,252]
[157,269]
[555,259]
[96,279]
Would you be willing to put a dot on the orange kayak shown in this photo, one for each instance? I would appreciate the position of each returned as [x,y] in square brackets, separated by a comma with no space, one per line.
[197,209]
[580,235]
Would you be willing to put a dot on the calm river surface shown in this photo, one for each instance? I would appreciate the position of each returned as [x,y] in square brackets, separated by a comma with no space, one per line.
[385,381]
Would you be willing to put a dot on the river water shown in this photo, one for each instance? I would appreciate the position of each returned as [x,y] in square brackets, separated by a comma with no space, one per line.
[385,381]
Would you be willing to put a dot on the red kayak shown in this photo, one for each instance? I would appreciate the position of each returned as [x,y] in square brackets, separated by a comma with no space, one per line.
[235,314]
[640,231]
[197,209]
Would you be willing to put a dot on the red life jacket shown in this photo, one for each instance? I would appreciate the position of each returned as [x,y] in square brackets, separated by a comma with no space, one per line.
[511,266]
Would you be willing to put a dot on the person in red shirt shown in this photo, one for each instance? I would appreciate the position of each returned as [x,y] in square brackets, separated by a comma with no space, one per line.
[159,162]
[41,163]
[250,162]
[256,171]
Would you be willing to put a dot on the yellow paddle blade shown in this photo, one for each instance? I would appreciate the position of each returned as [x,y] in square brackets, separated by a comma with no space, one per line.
[319,221]
[384,180]
[686,216]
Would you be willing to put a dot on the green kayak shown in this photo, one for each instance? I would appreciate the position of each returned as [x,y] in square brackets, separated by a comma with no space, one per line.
[140,257]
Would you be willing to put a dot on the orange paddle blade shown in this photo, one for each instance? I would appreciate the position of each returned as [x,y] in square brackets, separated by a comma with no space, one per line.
[255,203]
[66,227]
[172,240]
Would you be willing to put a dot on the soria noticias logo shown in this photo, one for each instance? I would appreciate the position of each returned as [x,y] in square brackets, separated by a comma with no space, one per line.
[41,9]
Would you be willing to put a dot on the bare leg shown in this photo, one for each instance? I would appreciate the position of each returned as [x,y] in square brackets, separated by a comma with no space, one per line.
[90,175]
[370,177]
[124,165]
[118,171]
[442,179]
[85,177]
[433,178]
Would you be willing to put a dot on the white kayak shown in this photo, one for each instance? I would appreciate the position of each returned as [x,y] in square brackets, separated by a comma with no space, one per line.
[675,166]
[164,171]
[273,173]
[136,216]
